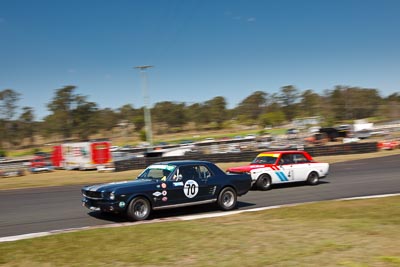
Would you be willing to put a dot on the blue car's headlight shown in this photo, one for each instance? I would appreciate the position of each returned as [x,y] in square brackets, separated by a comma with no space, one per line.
[108,195]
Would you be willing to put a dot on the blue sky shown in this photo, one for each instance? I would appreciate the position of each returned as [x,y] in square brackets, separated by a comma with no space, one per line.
[199,49]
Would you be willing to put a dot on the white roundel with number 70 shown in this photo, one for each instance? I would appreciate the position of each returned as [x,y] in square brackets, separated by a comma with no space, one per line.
[191,188]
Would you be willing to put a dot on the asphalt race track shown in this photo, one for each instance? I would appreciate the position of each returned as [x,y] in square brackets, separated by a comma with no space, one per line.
[46,209]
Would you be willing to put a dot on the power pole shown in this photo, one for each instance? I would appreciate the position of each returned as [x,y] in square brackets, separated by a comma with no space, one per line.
[147,115]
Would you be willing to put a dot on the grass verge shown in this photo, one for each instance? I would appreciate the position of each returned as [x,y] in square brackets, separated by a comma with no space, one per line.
[334,233]
[62,177]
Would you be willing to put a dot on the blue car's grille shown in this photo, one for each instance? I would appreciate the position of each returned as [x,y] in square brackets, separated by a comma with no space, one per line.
[92,194]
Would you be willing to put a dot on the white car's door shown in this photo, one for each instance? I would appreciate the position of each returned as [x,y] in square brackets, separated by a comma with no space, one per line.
[301,167]
[301,171]
[285,173]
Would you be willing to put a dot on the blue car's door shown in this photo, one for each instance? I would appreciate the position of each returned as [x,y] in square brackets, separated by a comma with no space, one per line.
[190,183]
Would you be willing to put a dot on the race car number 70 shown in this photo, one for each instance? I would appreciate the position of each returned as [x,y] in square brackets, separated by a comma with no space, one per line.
[191,188]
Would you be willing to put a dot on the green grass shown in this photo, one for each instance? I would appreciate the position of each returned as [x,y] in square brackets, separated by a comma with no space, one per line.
[335,233]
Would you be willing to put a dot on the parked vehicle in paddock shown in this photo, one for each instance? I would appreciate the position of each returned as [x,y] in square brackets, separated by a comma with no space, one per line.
[388,144]
[11,171]
[168,185]
[276,167]
[40,164]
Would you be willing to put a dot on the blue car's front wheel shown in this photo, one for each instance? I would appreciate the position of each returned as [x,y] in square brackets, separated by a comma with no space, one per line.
[139,209]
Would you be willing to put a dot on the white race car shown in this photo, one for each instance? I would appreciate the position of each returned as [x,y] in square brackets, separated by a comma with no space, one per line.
[287,167]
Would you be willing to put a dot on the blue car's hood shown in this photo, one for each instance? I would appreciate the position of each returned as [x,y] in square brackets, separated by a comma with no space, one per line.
[120,185]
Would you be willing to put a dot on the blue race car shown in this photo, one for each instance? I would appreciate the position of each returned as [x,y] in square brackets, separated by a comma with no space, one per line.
[168,185]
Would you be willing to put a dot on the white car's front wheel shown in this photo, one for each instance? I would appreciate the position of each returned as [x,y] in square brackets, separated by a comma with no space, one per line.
[263,182]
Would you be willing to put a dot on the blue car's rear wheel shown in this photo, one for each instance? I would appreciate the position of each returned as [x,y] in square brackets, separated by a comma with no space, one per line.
[227,199]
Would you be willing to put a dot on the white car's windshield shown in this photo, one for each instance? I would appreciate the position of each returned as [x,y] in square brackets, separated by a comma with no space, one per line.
[157,171]
[264,160]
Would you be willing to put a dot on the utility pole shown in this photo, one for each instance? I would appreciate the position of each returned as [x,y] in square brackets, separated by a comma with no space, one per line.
[147,115]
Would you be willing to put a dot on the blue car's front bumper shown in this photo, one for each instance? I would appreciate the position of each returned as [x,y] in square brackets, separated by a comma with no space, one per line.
[103,205]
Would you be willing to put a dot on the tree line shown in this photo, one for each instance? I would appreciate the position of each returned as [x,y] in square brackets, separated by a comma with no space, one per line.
[73,115]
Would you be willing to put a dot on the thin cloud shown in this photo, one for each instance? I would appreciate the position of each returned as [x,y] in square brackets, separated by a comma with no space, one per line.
[233,16]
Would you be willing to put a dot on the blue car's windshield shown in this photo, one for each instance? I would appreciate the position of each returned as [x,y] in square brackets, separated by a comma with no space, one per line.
[157,171]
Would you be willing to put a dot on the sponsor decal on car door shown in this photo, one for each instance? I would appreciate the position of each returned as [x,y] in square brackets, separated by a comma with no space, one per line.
[284,173]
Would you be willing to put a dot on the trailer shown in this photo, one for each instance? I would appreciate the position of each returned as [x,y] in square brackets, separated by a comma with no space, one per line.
[82,155]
